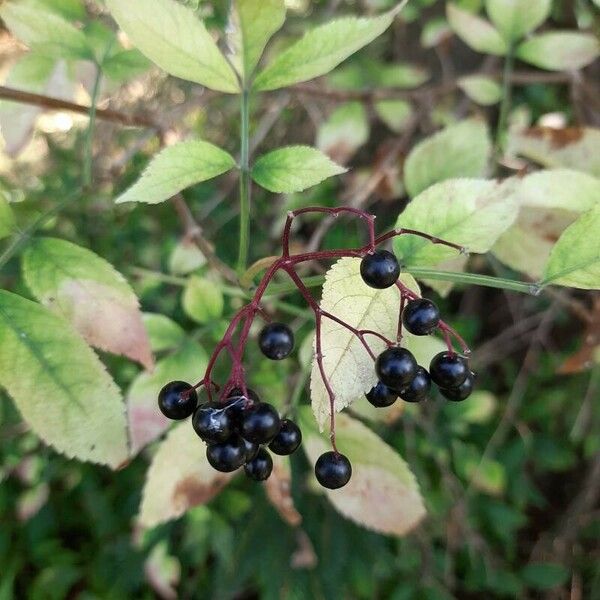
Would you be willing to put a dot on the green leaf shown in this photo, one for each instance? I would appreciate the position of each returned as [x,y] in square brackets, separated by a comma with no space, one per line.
[293,169]
[560,50]
[516,18]
[544,576]
[146,422]
[321,49]
[61,388]
[125,64]
[173,37]
[435,32]
[68,9]
[185,258]
[344,132]
[469,212]
[179,478]
[88,292]
[395,114]
[482,90]
[476,32]
[460,150]
[175,168]
[164,333]
[7,218]
[202,300]
[575,258]
[251,25]
[380,477]
[44,31]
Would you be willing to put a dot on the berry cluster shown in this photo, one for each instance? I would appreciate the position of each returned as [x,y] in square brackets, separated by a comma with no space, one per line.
[238,427]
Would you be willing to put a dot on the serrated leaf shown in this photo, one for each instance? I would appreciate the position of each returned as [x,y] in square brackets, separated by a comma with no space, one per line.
[560,50]
[179,478]
[293,169]
[575,258]
[321,49]
[164,333]
[516,18]
[460,150]
[348,366]
[278,488]
[7,218]
[172,36]
[470,212]
[60,387]
[481,89]
[202,300]
[251,25]
[476,32]
[380,477]
[88,292]
[395,114]
[146,422]
[344,132]
[185,258]
[175,168]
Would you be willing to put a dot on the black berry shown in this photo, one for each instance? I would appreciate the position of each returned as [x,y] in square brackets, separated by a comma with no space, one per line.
[462,392]
[237,392]
[380,270]
[448,369]
[212,423]
[288,439]
[238,403]
[227,456]
[251,449]
[260,424]
[333,470]
[396,367]
[260,467]
[418,388]
[381,395]
[177,400]
[421,317]
[276,341]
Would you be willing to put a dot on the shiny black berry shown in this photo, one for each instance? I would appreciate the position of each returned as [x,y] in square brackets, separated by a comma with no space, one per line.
[237,404]
[448,369]
[276,341]
[212,423]
[227,456]
[260,467]
[421,317]
[418,389]
[462,392]
[396,367]
[260,424]
[381,395]
[251,449]
[333,470]
[380,270]
[237,392]
[177,400]
[288,439]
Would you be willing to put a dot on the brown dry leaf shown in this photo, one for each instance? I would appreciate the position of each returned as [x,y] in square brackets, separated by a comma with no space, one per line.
[279,487]
[589,352]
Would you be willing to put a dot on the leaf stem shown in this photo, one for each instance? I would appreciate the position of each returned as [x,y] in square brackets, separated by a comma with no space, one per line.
[245,186]
[506,99]
[86,177]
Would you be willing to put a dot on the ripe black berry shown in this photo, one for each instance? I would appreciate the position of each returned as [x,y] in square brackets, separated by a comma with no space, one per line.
[421,316]
[251,449]
[448,369]
[380,270]
[177,400]
[333,470]
[212,423]
[260,424]
[237,403]
[276,341]
[260,467]
[396,367]
[288,439]
[418,388]
[227,456]
[237,392]
[462,392]
[381,395]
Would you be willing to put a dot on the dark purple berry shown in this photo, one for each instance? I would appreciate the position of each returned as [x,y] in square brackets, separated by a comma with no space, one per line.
[381,395]
[421,317]
[418,388]
[396,367]
[237,392]
[380,269]
[227,456]
[276,341]
[448,369]
[333,470]
[462,392]
[288,439]
[260,467]
[237,404]
[212,423]
[251,450]
[260,424]
[177,400]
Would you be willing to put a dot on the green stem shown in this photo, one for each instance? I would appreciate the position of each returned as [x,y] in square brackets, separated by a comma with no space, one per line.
[506,99]
[89,136]
[244,182]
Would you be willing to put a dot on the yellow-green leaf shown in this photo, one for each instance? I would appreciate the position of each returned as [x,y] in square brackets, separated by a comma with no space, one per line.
[476,32]
[202,299]
[344,132]
[163,332]
[560,50]
[516,18]
[481,89]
